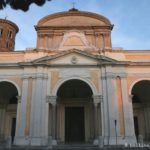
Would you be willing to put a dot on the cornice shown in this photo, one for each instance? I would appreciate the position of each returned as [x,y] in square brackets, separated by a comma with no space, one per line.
[10,23]
[35,76]
[138,63]
[113,75]
[43,28]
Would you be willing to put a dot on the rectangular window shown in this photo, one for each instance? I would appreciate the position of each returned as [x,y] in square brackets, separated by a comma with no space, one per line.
[10,35]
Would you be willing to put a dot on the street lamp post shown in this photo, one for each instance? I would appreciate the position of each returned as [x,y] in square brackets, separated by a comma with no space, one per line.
[115,121]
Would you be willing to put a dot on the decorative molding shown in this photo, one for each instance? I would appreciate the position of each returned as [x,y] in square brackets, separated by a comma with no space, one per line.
[74,60]
[113,75]
[19,99]
[51,99]
[130,97]
[41,75]
[97,99]
[9,75]
[35,76]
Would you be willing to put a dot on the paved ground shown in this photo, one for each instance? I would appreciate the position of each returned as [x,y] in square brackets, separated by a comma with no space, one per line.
[75,148]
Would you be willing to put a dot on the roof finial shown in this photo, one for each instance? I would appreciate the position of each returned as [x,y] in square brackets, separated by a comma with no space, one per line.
[73,7]
[73,4]
[6,16]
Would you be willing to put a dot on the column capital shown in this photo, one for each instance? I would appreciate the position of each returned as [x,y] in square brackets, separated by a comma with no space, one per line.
[97,99]
[41,76]
[51,99]
[19,99]
[130,97]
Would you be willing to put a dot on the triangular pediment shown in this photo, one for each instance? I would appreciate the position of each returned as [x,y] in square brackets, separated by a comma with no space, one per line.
[74,57]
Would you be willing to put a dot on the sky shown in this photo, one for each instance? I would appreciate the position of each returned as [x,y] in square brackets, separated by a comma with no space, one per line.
[131,19]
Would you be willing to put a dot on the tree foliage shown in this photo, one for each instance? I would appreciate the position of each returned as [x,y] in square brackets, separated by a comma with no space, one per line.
[20,4]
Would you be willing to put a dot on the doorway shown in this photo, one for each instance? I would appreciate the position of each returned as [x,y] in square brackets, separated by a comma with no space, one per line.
[74,125]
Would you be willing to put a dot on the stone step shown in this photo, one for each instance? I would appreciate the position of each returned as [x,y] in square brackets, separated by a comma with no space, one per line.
[77,147]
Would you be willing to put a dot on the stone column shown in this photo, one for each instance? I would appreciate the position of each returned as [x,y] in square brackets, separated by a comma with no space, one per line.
[105,109]
[2,120]
[107,40]
[96,101]
[50,37]
[147,120]
[41,41]
[36,110]
[44,112]
[112,108]
[52,101]
[20,138]
[18,115]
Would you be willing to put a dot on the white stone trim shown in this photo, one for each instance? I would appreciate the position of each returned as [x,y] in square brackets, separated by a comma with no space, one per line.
[19,99]
[15,84]
[51,99]
[113,75]
[136,81]
[86,80]
[97,98]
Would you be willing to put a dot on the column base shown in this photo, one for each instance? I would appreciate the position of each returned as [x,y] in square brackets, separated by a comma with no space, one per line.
[39,141]
[54,142]
[96,141]
[99,141]
[21,140]
[33,141]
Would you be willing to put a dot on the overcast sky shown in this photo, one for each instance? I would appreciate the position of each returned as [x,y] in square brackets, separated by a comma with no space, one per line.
[131,19]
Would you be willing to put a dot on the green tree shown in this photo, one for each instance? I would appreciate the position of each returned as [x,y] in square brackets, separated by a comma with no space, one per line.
[20,4]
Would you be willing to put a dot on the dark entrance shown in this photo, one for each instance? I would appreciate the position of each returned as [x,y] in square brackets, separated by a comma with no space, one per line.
[141,103]
[74,125]
[8,98]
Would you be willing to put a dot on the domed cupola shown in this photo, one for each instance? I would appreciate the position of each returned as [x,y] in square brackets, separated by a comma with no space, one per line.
[74,29]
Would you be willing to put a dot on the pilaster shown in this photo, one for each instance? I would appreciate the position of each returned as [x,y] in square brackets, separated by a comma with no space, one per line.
[113,112]
[20,138]
[52,101]
[105,109]
[39,111]
[97,99]
[128,113]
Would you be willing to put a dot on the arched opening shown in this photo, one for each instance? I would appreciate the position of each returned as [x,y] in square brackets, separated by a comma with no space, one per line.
[74,89]
[8,110]
[75,113]
[141,109]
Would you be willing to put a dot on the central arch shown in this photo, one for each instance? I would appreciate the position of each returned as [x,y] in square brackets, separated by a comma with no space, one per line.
[75,112]
[75,94]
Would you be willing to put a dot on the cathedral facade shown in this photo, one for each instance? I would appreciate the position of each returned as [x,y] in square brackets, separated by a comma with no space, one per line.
[74,87]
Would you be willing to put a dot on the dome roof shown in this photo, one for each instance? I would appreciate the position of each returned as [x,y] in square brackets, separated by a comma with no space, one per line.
[73,17]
